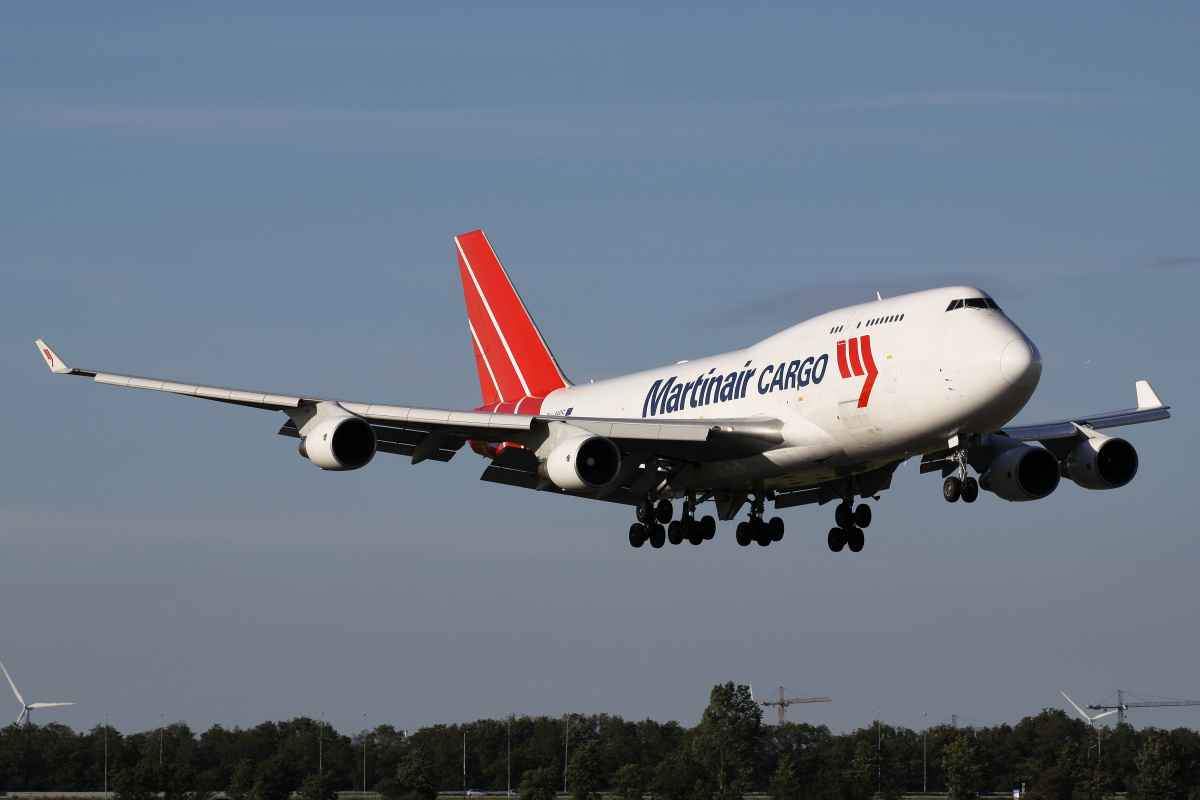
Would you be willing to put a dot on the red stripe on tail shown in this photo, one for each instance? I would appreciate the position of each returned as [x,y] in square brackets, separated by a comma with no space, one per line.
[511,356]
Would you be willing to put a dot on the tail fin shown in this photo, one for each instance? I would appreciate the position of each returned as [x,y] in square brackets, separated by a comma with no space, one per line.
[510,354]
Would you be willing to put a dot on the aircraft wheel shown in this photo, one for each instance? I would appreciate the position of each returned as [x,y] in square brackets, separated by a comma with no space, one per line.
[637,534]
[776,528]
[855,539]
[743,533]
[657,535]
[862,516]
[675,532]
[645,511]
[695,532]
[762,533]
[843,516]
[665,511]
[970,490]
[952,489]
[837,539]
[708,526]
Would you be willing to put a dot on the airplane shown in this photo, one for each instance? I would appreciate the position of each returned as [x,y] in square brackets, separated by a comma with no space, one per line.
[822,412]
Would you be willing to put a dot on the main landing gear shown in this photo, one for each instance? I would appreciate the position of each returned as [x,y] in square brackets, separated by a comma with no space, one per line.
[850,523]
[655,526]
[758,530]
[960,485]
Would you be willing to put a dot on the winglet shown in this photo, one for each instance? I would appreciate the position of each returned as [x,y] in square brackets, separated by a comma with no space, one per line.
[1146,396]
[56,364]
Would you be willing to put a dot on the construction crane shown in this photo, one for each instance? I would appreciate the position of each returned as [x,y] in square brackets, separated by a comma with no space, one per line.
[782,703]
[1121,705]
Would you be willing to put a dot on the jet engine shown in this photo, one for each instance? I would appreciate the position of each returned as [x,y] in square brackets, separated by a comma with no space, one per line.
[340,442]
[1101,462]
[581,463]
[1022,472]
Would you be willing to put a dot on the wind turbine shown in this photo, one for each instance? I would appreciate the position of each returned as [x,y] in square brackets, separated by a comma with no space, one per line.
[24,715]
[1091,720]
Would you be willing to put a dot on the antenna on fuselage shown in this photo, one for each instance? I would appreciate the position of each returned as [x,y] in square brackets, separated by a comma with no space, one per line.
[878,296]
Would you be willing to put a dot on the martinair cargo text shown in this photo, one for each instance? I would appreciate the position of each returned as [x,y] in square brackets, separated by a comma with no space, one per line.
[823,412]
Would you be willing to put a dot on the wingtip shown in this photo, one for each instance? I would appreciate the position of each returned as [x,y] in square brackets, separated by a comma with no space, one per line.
[1146,396]
[56,364]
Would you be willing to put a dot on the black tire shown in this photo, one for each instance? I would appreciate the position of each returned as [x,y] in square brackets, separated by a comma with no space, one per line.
[695,532]
[952,489]
[762,533]
[837,539]
[665,511]
[743,533]
[776,528]
[970,490]
[862,516]
[843,516]
[855,540]
[645,512]
[709,527]
[675,532]
[637,534]
[658,535]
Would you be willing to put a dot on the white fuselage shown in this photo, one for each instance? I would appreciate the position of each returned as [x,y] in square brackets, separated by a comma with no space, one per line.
[935,376]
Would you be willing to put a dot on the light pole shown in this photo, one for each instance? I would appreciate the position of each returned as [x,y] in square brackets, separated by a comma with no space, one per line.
[924,757]
[321,743]
[106,757]
[509,754]
[364,754]
[566,749]
[464,760]
[879,753]
[160,733]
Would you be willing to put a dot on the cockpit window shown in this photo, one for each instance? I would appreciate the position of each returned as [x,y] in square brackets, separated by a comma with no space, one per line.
[973,302]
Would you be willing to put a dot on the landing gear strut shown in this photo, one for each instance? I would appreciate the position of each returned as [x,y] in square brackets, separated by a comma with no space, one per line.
[756,529]
[850,523]
[655,525]
[960,485]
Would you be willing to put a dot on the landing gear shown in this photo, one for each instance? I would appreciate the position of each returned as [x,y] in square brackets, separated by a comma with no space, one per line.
[654,524]
[756,529]
[850,522]
[970,490]
[952,489]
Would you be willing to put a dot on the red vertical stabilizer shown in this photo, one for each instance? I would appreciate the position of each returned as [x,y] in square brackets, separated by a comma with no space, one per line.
[510,354]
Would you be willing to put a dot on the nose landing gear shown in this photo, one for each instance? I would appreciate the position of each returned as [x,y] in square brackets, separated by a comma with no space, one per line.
[960,485]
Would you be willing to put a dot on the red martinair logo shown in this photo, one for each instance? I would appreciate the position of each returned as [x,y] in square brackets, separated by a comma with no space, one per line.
[49,357]
[859,357]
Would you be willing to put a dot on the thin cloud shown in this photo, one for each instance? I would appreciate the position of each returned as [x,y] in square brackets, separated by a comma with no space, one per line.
[800,304]
[1167,262]
[977,98]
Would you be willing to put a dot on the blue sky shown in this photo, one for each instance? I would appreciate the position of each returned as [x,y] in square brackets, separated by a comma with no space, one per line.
[265,197]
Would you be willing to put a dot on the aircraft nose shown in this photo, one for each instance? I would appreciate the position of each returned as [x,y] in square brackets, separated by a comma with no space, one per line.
[1021,363]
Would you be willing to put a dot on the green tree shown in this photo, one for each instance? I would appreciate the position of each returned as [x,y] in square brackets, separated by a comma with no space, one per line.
[138,782]
[727,740]
[318,786]
[585,772]
[538,784]
[964,763]
[242,782]
[1156,770]
[785,783]
[679,777]
[629,782]
[862,774]
[413,779]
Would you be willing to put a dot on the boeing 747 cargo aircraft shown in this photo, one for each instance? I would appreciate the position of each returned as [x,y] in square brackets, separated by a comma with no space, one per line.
[823,412]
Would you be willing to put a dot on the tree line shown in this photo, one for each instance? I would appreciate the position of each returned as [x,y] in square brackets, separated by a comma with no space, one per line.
[728,754]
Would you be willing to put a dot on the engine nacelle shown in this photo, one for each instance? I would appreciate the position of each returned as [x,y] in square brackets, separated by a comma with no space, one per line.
[339,443]
[581,463]
[1021,473]
[1101,462]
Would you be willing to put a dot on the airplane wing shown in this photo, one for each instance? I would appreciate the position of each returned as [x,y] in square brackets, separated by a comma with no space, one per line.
[437,434]
[1149,408]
